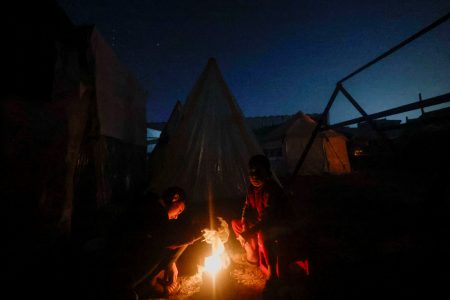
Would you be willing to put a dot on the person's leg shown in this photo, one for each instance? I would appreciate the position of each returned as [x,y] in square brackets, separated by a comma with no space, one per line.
[251,250]
[127,266]
[250,245]
[263,254]
[171,270]
[270,255]
[147,274]
[171,267]
[161,276]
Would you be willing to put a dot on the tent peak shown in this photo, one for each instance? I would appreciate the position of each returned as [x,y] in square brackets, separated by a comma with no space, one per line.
[212,60]
[212,63]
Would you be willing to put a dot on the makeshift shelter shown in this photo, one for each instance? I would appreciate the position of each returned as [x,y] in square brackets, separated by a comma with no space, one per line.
[82,145]
[285,143]
[73,130]
[110,164]
[209,151]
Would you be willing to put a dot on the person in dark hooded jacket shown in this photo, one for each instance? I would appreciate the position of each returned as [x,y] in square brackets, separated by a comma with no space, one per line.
[148,246]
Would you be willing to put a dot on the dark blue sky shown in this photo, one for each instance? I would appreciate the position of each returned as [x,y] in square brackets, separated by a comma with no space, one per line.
[278,57]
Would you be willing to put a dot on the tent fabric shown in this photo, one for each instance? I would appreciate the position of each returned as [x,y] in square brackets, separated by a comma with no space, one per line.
[209,151]
[174,120]
[337,156]
[67,88]
[328,153]
[120,99]
[77,135]
[107,135]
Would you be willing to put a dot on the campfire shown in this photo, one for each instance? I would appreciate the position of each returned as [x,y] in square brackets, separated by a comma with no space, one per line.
[214,269]
[217,238]
[216,278]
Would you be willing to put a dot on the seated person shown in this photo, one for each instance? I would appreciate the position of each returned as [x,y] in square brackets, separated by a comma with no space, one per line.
[264,217]
[148,247]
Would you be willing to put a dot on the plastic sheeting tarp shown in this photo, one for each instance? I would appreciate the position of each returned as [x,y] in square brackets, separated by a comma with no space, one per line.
[209,152]
[89,131]
[108,136]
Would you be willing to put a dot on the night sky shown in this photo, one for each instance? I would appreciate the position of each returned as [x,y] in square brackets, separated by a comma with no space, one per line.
[278,57]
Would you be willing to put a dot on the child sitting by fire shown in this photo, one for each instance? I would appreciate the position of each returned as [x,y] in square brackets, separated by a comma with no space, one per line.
[265,217]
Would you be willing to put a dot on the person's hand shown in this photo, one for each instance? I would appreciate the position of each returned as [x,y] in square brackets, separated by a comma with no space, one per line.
[173,288]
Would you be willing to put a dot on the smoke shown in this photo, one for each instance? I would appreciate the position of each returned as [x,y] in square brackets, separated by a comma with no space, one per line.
[221,234]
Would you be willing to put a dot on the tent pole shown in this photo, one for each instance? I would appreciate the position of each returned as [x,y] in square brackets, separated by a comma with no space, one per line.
[400,45]
[350,98]
[445,98]
[368,119]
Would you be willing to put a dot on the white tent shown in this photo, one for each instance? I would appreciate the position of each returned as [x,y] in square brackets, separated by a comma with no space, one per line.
[106,126]
[285,144]
[84,142]
[209,152]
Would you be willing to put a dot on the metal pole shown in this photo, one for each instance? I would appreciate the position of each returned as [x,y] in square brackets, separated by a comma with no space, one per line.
[405,42]
[445,98]
[314,133]
[369,120]
[420,101]
[339,87]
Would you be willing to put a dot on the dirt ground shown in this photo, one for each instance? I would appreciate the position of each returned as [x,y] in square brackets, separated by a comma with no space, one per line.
[240,280]
[367,235]
[244,281]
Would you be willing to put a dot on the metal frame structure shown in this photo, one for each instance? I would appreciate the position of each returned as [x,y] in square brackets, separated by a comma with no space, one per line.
[366,117]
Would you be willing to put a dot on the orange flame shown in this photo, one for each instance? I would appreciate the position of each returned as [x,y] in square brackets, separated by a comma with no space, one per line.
[217,238]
